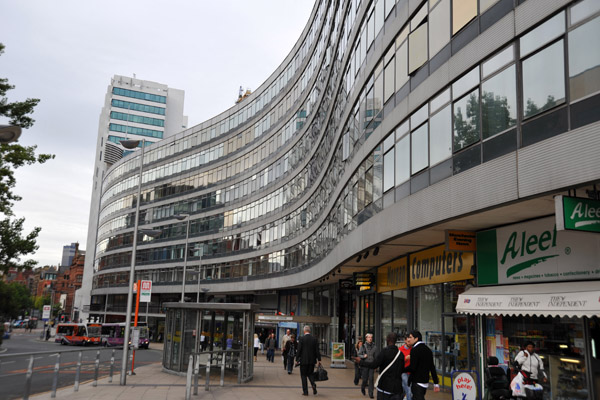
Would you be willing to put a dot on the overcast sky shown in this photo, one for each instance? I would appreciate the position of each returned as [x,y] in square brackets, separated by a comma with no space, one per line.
[66,52]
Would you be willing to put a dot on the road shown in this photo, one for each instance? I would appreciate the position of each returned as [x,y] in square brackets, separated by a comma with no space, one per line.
[13,369]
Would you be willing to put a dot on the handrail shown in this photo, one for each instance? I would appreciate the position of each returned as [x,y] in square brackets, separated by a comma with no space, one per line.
[58,353]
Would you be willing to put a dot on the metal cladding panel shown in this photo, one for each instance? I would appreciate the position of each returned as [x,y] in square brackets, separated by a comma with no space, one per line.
[560,162]
[429,87]
[490,184]
[533,11]
[483,45]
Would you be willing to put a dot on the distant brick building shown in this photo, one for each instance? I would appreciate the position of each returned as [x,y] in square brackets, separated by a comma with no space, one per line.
[67,282]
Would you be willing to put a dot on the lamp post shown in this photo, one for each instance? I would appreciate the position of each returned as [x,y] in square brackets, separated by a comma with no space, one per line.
[132,144]
[181,217]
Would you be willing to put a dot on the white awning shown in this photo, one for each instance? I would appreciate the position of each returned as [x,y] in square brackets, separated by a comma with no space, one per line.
[570,299]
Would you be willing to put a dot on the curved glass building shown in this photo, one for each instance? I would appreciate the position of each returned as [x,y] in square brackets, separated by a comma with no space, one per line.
[404,152]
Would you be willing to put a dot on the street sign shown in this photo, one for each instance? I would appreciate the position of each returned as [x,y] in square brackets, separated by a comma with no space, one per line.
[146,292]
[135,337]
[364,280]
[46,313]
[460,241]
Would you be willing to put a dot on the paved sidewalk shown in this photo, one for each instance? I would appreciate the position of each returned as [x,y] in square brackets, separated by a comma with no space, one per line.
[270,381]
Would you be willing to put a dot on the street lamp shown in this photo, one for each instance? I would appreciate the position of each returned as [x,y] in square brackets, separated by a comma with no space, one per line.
[9,133]
[132,144]
[181,217]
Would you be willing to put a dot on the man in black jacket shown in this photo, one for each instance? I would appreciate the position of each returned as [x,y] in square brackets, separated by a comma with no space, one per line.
[389,386]
[307,356]
[421,366]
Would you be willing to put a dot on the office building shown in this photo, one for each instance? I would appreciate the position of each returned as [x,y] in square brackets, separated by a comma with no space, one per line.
[133,109]
[399,170]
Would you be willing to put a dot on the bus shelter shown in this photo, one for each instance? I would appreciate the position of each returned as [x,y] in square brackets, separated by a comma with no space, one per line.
[209,330]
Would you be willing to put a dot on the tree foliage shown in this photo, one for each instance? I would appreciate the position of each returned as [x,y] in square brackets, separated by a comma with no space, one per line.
[15,299]
[13,244]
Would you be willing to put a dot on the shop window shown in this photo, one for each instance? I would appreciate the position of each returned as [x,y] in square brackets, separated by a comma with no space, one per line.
[543,80]
[584,61]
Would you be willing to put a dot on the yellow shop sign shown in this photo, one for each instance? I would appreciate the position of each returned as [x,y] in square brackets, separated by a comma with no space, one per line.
[436,265]
[392,276]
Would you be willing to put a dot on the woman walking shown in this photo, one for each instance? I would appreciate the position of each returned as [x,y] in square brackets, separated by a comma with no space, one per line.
[256,346]
[357,347]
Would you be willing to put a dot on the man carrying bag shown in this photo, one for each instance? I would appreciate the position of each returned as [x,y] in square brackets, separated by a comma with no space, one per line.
[307,356]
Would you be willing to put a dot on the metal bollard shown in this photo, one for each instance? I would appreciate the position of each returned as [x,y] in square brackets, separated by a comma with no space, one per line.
[55,379]
[223,356]
[112,366]
[76,387]
[28,379]
[207,375]
[96,369]
[240,369]
[196,374]
[188,378]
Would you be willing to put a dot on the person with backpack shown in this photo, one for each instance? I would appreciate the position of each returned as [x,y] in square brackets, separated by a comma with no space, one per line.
[390,362]
[289,352]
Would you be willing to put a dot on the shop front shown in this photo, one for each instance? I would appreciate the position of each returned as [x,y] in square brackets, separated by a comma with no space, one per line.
[540,285]
[436,279]
[392,287]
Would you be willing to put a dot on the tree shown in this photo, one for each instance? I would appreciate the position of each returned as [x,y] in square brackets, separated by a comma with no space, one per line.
[15,299]
[13,245]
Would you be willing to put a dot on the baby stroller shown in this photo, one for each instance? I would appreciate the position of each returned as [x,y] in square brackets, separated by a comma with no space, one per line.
[496,380]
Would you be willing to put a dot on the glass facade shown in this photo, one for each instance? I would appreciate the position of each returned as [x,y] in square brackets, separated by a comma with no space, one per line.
[357,119]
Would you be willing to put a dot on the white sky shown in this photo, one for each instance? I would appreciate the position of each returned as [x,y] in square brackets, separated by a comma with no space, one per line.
[66,52]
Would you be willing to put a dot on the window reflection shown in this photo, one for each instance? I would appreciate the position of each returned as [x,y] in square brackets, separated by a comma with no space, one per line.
[498,61]
[419,149]
[466,120]
[543,34]
[440,132]
[543,80]
[499,102]
[439,27]
[584,9]
[584,60]
[388,170]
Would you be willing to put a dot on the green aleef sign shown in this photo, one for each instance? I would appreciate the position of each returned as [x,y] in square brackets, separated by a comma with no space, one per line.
[577,214]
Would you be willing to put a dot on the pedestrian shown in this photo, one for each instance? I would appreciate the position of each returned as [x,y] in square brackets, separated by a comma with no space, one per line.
[307,356]
[357,347]
[289,352]
[390,362]
[367,352]
[284,340]
[256,346]
[531,363]
[47,333]
[405,349]
[270,345]
[421,366]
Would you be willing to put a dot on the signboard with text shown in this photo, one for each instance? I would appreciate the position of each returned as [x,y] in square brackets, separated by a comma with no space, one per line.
[46,312]
[464,385]
[436,265]
[364,280]
[146,292]
[535,251]
[577,214]
[460,241]
[393,275]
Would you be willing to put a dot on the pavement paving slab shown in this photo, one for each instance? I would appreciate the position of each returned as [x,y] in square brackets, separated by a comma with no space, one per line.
[270,382]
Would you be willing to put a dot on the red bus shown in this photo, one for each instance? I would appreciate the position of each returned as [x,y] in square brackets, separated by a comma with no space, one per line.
[72,333]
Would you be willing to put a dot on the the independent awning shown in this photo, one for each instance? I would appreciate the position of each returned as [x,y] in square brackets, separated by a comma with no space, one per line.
[570,299]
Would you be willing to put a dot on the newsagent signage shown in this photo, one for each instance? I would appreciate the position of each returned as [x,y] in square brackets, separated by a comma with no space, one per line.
[436,265]
[392,276]
[577,214]
[536,252]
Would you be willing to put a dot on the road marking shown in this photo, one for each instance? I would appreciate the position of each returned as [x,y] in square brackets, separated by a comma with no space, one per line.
[7,362]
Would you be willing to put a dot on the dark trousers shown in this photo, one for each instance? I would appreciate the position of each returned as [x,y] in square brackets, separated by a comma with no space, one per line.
[383,396]
[270,355]
[418,392]
[356,373]
[307,371]
[367,379]
[285,358]
[290,363]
